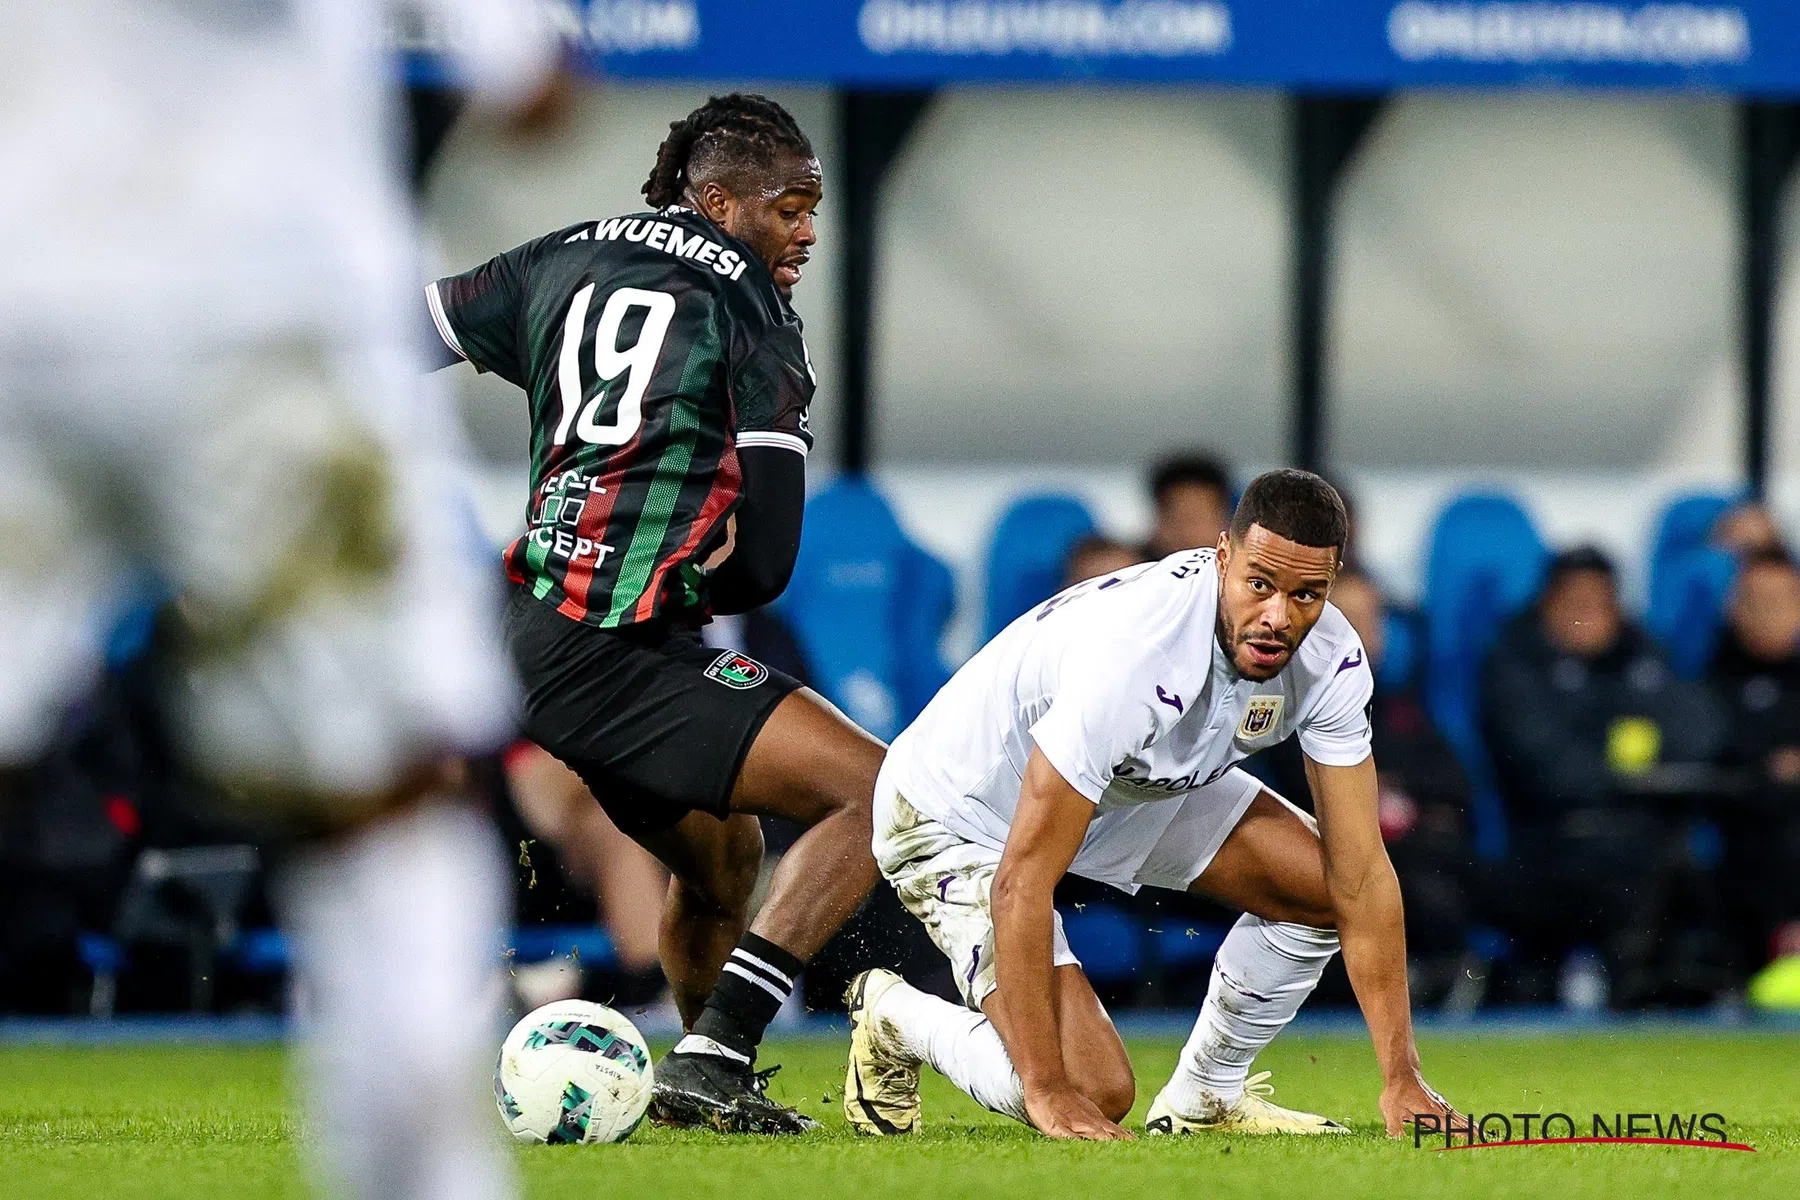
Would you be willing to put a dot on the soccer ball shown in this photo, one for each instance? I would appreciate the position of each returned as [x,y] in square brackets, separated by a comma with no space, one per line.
[573,1072]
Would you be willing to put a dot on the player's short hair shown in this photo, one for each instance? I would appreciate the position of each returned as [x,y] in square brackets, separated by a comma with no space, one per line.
[1296,505]
[1576,561]
[1189,467]
[1768,556]
[727,137]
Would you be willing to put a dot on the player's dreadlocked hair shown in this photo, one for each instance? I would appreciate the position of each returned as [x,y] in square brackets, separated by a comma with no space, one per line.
[726,135]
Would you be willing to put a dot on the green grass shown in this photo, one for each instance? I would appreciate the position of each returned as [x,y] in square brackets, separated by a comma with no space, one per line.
[196,1123]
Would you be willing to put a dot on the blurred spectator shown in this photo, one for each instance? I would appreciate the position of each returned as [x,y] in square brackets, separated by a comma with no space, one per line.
[625,880]
[1580,709]
[1577,698]
[65,851]
[1756,669]
[1095,556]
[1755,675]
[1746,529]
[1193,499]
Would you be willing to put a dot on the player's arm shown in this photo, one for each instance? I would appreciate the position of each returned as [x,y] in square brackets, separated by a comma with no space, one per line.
[1365,895]
[1047,829]
[766,540]
[771,390]
[477,314]
[1104,711]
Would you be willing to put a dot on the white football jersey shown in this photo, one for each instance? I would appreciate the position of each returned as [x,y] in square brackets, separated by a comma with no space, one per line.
[182,170]
[1121,682]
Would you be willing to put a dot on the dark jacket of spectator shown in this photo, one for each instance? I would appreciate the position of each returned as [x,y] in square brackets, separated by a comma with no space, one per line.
[1579,708]
[1755,672]
[1551,717]
[1761,703]
[1755,676]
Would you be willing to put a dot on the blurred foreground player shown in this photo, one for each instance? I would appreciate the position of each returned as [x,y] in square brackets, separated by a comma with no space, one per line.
[209,363]
[668,385]
[1097,734]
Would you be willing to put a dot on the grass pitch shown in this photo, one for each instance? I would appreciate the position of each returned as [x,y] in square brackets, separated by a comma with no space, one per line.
[194,1123]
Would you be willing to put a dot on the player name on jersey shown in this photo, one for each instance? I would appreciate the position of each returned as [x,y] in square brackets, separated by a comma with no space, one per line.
[670,239]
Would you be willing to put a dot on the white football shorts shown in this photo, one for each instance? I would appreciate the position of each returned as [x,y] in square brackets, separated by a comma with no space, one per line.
[302,500]
[946,880]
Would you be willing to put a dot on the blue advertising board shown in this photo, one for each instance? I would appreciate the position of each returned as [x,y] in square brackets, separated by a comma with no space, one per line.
[1743,46]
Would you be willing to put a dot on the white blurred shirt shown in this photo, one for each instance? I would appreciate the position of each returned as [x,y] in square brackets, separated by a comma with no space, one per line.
[175,172]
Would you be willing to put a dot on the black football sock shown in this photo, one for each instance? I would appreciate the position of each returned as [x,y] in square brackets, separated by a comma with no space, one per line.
[757,979]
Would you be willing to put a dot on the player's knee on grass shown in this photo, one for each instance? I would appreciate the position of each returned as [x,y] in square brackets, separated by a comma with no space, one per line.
[1113,1092]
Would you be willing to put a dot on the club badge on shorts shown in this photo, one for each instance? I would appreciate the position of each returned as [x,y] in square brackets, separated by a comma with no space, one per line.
[1260,716]
[736,670]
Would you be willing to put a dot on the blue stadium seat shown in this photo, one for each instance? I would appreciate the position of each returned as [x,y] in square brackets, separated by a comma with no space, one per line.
[1401,638]
[927,602]
[1689,581]
[868,607]
[266,951]
[588,944]
[1108,941]
[260,952]
[99,953]
[1486,563]
[1179,943]
[1025,558]
[1686,524]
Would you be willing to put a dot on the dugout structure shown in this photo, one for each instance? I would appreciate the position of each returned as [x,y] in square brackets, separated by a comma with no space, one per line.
[1337,61]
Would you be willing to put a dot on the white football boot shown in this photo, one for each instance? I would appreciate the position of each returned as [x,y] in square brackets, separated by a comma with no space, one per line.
[881,1085]
[1253,1113]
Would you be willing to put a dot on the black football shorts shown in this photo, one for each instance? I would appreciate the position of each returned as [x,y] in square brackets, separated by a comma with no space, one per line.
[655,723]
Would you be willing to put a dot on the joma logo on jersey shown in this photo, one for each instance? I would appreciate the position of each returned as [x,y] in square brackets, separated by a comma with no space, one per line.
[736,670]
[1260,716]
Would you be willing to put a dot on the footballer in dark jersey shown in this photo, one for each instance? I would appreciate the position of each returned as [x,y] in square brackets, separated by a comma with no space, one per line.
[669,382]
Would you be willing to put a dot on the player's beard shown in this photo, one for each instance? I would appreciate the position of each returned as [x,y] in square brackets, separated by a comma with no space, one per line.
[1228,642]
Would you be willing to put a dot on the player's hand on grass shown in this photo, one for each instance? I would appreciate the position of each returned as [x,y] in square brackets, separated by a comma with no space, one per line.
[1067,1114]
[1404,1098]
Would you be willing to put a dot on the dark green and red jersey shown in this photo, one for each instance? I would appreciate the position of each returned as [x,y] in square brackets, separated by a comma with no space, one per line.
[651,346]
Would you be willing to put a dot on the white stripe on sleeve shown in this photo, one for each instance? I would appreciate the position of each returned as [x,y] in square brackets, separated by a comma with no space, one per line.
[435,303]
[770,437]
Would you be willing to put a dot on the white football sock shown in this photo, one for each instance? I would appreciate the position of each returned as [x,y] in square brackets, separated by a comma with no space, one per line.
[1261,975]
[963,1046]
[396,932]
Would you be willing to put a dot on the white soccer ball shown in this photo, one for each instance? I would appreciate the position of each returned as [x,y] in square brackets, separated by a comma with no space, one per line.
[573,1072]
